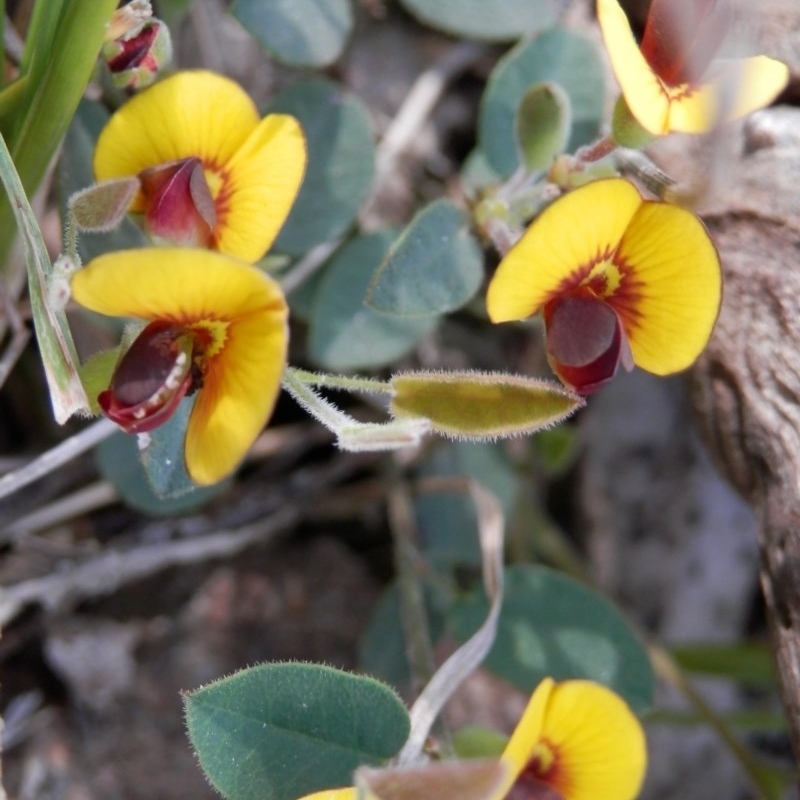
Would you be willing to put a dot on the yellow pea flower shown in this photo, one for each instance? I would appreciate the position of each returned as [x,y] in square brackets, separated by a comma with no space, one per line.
[217,326]
[213,173]
[670,82]
[620,280]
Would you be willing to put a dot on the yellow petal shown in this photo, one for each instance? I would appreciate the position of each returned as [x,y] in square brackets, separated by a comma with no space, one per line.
[599,744]
[641,87]
[526,735]
[264,177]
[694,110]
[754,83]
[350,793]
[675,287]
[239,391]
[177,284]
[193,113]
[560,247]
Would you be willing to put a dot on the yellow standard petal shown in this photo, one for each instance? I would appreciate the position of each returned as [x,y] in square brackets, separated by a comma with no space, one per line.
[262,181]
[526,735]
[598,744]
[644,92]
[193,113]
[674,287]
[561,248]
[240,311]
[350,793]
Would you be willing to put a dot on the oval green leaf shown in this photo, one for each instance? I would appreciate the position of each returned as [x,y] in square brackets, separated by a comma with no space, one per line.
[301,33]
[341,162]
[345,334]
[117,460]
[542,126]
[281,731]
[553,625]
[163,459]
[558,56]
[435,266]
[484,20]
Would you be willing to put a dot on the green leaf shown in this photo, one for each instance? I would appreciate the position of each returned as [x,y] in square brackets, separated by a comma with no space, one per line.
[280,731]
[435,266]
[382,647]
[346,334]
[446,519]
[558,56]
[542,125]
[485,20]
[553,625]
[341,162]
[301,33]
[96,373]
[75,173]
[118,461]
[53,334]
[163,459]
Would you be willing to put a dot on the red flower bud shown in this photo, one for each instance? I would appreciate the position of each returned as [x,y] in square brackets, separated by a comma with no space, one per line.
[135,58]
[179,209]
[585,341]
[152,377]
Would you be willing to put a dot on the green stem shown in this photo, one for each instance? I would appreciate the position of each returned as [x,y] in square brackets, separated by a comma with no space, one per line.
[324,412]
[597,150]
[55,94]
[342,382]
[413,613]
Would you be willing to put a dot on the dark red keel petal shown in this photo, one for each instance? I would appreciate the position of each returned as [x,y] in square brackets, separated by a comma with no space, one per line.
[585,341]
[681,37]
[151,378]
[179,208]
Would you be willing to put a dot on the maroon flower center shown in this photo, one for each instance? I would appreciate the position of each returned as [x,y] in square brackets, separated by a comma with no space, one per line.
[585,341]
[179,208]
[156,372]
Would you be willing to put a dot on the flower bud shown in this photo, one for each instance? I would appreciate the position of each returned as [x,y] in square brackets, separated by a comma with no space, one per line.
[135,58]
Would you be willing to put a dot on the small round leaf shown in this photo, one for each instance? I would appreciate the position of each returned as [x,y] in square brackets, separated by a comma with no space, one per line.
[435,266]
[558,56]
[484,20]
[302,33]
[345,334]
[553,625]
[341,161]
[281,731]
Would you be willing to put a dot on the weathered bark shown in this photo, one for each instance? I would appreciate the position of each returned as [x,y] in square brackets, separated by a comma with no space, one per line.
[747,384]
